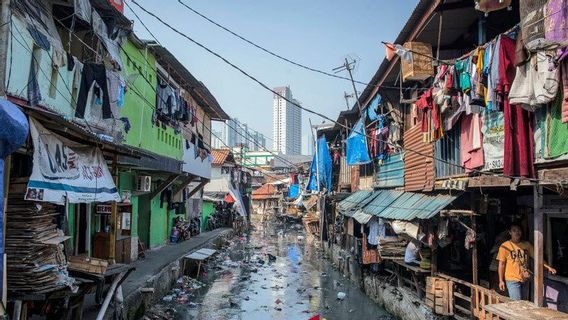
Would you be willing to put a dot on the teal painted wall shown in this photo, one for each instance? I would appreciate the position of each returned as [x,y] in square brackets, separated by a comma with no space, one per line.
[139,104]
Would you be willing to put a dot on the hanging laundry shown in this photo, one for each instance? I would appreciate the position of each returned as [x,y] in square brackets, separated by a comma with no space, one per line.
[536,82]
[392,49]
[93,74]
[356,148]
[519,144]
[34,93]
[555,17]
[557,134]
[564,91]
[494,77]
[126,123]
[471,151]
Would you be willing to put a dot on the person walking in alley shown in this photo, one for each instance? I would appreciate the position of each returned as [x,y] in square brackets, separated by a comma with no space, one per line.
[514,271]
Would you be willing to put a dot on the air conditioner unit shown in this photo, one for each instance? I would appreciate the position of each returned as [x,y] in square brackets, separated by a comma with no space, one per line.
[144,183]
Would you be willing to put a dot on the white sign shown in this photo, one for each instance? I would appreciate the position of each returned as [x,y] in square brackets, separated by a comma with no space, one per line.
[65,169]
[493,139]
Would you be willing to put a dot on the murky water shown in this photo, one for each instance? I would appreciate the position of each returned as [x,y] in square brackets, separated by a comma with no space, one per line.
[272,273]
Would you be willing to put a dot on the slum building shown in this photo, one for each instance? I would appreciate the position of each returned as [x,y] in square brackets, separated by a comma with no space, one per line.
[458,136]
[115,144]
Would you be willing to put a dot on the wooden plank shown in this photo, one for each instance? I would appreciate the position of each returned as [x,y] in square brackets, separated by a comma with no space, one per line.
[538,247]
[186,180]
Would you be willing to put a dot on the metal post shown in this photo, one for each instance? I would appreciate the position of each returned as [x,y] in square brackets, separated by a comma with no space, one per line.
[538,247]
[113,215]
[348,66]
[314,137]
[4,35]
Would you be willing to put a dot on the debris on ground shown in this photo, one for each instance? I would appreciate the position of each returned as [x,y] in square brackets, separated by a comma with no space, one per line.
[341,295]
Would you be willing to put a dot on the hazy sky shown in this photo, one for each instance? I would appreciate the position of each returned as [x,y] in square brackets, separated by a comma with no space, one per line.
[317,33]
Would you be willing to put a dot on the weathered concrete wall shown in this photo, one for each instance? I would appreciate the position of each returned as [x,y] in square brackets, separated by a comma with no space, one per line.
[137,302]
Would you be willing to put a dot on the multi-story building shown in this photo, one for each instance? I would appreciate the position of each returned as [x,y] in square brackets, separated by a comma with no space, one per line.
[307,145]
[239,134]
[286,122]
[218,139]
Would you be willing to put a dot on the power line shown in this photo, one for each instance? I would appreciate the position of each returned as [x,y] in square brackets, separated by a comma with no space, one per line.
[234,129]
[245,73]
[272,53]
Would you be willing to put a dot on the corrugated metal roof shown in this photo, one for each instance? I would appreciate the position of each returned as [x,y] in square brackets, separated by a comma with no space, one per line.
[391,172]
[399,205]
[362,217]
[355,201]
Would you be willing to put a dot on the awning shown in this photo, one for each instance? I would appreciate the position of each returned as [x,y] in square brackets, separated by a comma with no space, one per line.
[355,201]
[399,205]
[362,217]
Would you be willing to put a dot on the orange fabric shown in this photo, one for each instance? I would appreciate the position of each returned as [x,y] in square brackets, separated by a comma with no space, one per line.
[515,256]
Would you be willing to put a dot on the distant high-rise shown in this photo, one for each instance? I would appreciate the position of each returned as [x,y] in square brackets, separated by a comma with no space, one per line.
[286,123]
[241,135]
[218,139]
[307,145]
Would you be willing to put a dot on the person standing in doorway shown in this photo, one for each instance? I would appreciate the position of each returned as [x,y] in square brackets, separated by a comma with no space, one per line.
[514,271]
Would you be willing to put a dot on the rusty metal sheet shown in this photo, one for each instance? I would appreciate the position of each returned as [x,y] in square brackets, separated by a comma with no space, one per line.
[419,172]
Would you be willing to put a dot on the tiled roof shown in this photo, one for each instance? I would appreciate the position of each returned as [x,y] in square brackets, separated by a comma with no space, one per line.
[219,156]
[267,191]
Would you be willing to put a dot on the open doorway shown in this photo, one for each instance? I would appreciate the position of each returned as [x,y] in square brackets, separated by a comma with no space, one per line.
[82,233]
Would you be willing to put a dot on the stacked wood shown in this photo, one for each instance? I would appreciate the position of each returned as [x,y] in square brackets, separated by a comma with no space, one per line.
[392,247]
[35,259]
[86,264]
[440,295]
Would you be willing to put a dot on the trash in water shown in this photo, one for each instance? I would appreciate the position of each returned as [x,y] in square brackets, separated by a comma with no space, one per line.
[168,298]
[341,295]
[300,237]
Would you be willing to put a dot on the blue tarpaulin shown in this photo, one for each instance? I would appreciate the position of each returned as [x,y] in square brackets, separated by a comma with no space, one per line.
[294,191]
[321,164]
[356,149]
[14,130]
[372,108]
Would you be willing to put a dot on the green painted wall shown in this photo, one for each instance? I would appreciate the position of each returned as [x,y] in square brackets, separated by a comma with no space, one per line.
[71,223]
[143,134]
[208,209]
[127,181]
[158,223]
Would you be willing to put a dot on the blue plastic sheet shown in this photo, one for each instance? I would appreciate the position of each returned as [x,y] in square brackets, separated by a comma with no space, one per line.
[294,191]
[372,108]
[321,164]
[356,150]
[14,130]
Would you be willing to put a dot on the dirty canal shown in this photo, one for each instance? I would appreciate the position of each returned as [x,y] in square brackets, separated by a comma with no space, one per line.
[270,273]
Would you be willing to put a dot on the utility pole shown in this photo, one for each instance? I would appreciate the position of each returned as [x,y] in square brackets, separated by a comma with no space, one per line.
[347,96]
[349,67]
[4,35]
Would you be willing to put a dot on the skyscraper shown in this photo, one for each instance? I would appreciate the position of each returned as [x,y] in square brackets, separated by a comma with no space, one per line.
[307,145]
[286,123]
[241,135]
